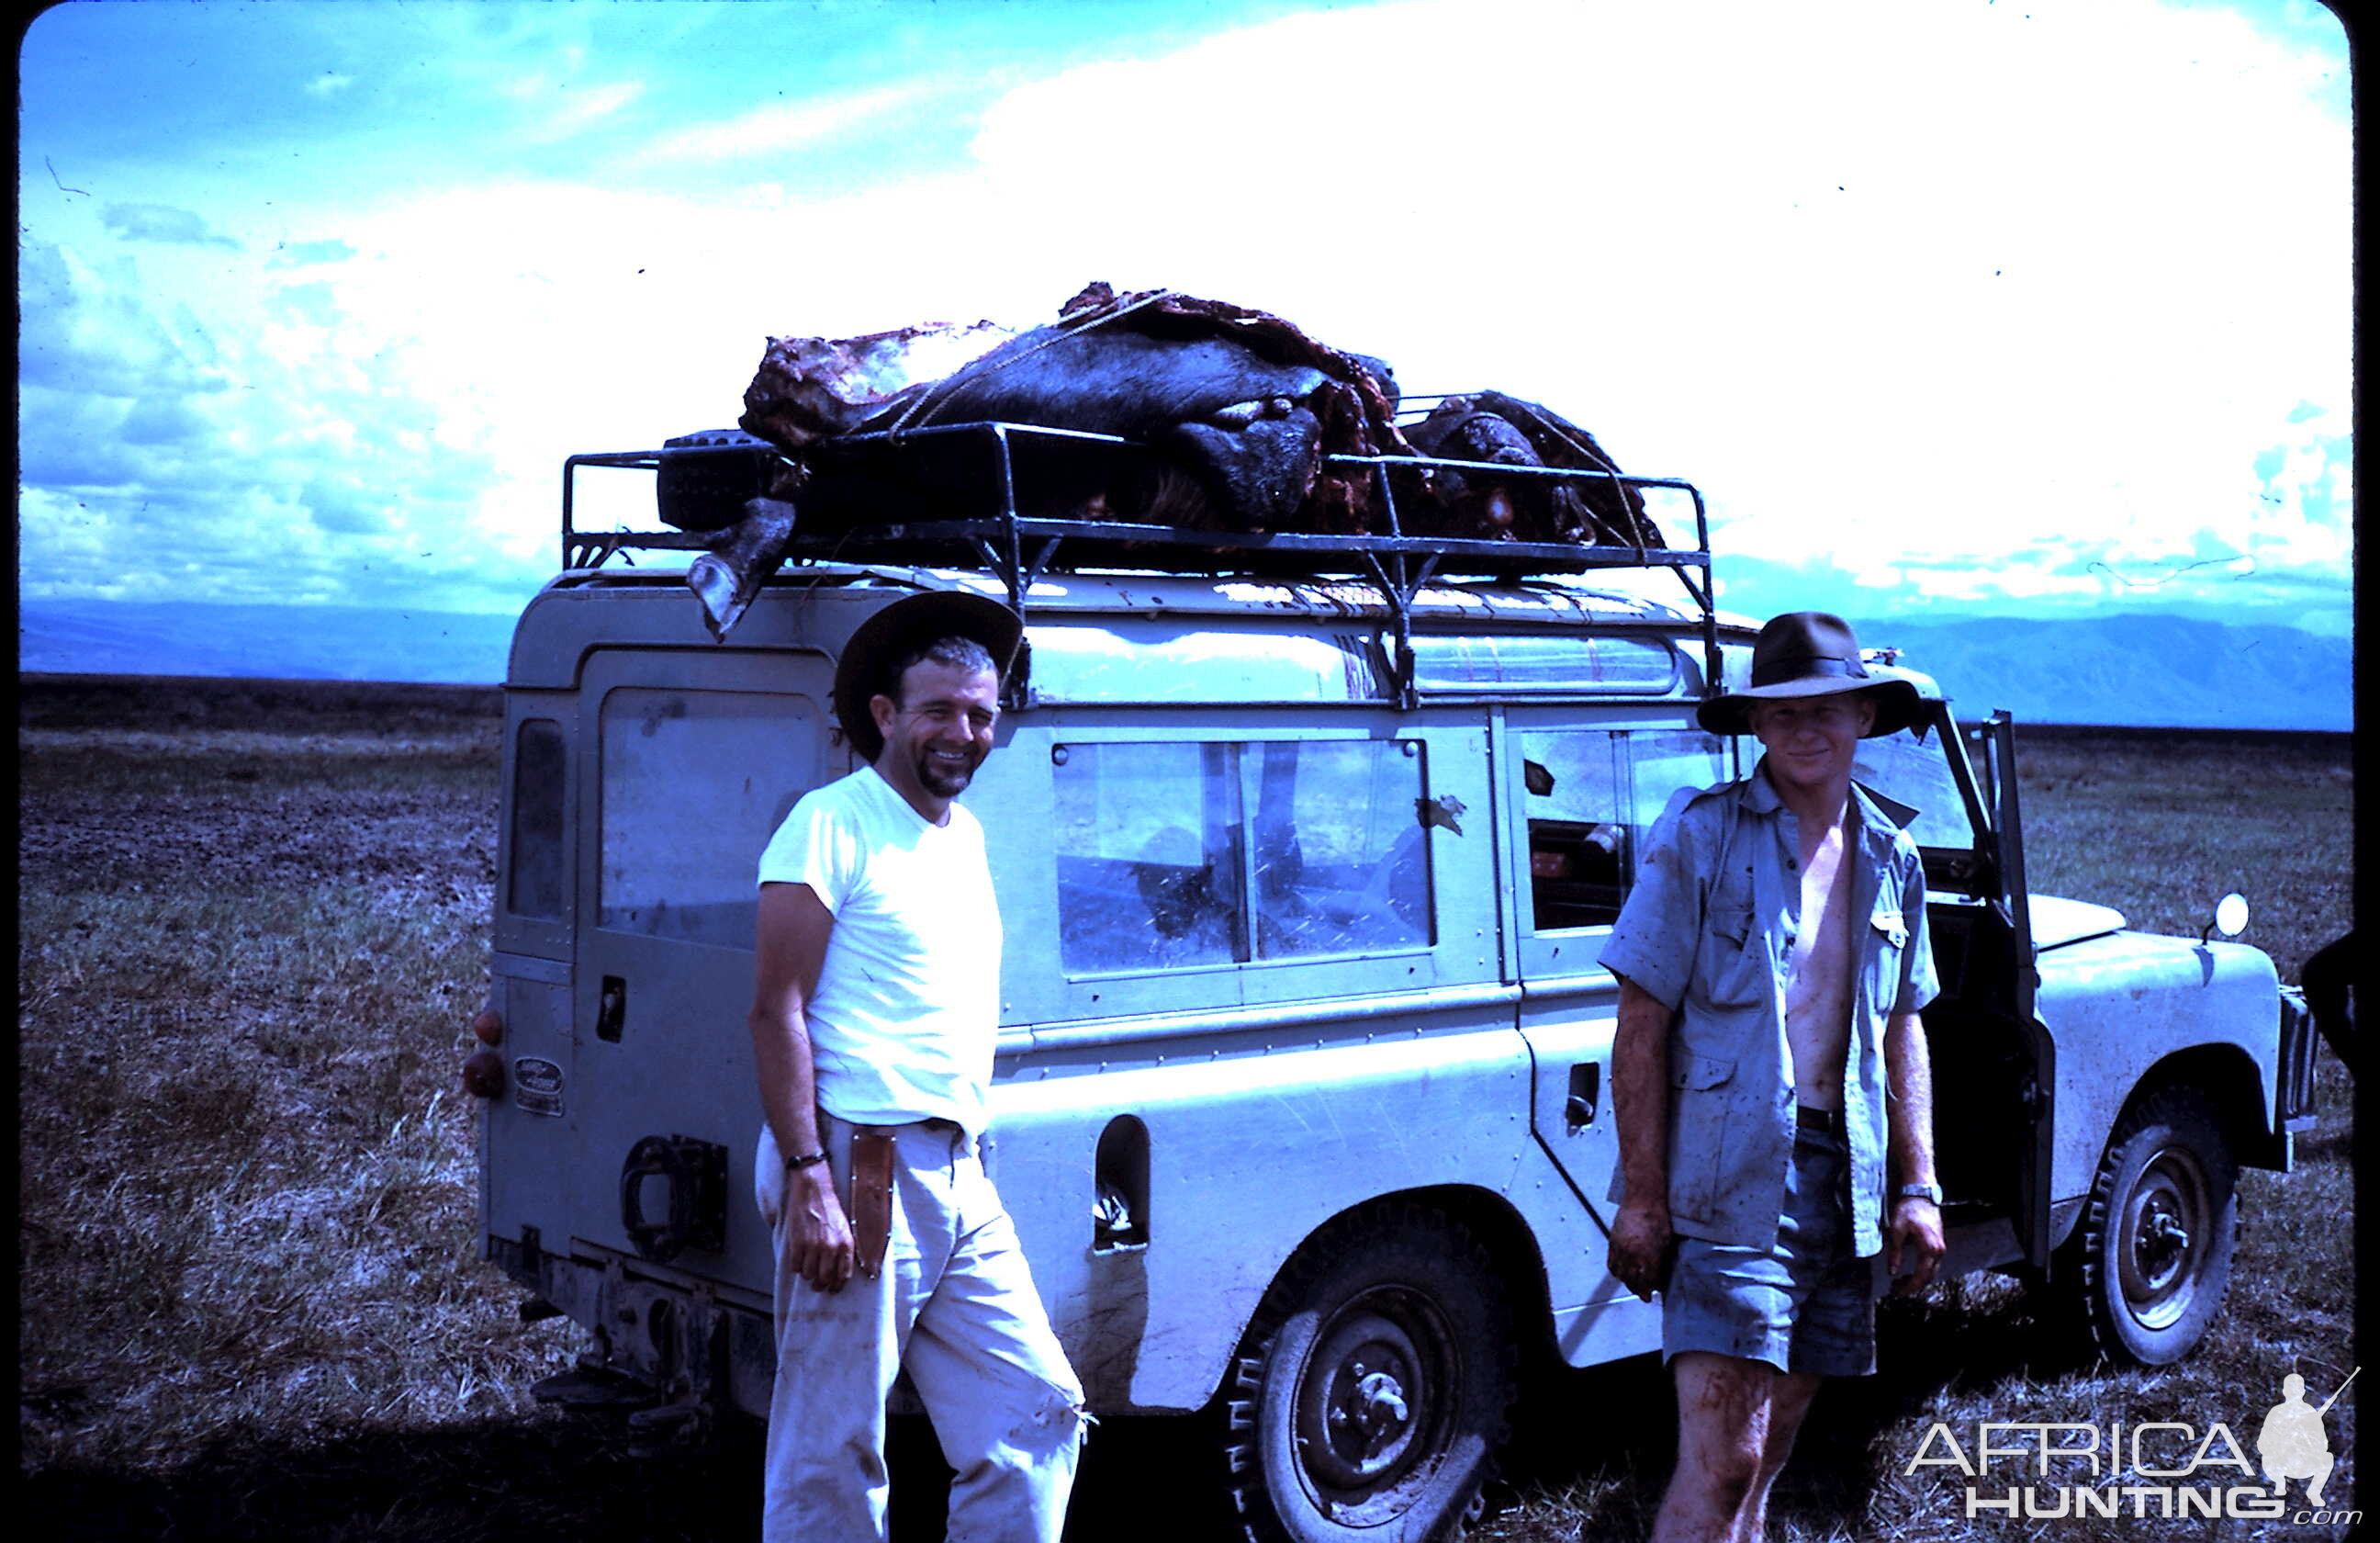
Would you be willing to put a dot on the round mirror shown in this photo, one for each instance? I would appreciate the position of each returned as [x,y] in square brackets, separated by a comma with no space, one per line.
[2231,915]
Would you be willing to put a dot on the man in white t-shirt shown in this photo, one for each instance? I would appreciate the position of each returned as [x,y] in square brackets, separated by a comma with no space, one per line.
[874,1019]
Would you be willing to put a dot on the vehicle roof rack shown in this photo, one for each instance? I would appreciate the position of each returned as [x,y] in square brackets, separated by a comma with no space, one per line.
[992,535]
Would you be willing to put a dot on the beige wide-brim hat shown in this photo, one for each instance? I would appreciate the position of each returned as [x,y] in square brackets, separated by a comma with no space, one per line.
[865,671]
[1811,653]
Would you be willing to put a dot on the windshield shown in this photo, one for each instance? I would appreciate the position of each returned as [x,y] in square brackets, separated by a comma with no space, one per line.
[1917,772]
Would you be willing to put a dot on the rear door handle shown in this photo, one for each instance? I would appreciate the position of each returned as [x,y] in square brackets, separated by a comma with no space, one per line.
[612,1009]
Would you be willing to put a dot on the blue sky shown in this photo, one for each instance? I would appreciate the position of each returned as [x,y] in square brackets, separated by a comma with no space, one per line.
[1950,305]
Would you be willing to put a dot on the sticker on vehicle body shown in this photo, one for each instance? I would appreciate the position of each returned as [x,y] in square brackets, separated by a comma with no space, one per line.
[537,1085]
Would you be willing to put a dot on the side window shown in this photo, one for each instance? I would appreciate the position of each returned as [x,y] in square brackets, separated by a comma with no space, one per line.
[1578,832]
[540,762]
[1591,798]
[694,784]
[1147,863]
[1340,858]
[1177,855]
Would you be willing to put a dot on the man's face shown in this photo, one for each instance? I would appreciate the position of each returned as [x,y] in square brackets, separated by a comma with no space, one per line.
[941,729]
[1810,742]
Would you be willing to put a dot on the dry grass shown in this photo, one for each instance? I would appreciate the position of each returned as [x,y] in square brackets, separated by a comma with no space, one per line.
[251,1307]
[2163,832]
[247,1192]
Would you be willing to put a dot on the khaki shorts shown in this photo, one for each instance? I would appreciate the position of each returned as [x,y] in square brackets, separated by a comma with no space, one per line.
[1806,1303]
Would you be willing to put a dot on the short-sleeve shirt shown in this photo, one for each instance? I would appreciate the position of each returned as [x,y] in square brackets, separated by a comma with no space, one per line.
[906,1013]
[1708,930]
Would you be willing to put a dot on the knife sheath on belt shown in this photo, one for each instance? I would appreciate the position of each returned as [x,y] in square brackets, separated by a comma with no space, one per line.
[871,1196]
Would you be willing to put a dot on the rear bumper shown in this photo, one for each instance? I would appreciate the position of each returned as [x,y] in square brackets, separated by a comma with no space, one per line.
[686,1339]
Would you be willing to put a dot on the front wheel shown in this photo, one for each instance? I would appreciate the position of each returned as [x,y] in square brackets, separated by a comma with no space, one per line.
[2156,1238]
[1374,1386]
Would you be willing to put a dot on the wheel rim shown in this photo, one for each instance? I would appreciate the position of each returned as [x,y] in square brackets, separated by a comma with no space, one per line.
[2166,1230]
[1374,1404]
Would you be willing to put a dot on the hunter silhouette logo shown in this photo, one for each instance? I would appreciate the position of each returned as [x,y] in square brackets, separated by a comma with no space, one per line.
[2293,1443]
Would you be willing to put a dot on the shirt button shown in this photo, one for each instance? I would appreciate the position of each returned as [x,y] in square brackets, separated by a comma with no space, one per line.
[1790,865]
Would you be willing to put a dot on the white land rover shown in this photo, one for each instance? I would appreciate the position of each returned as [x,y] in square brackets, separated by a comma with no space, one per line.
[1305,848]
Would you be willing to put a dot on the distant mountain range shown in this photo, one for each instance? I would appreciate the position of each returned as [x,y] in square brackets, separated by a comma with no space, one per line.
[2145,671]
[2153,672]
[280,642]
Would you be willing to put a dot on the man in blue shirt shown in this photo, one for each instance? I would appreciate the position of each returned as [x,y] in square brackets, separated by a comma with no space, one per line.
[1769,1072]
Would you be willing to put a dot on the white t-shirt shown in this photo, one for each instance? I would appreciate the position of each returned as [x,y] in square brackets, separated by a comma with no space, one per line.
[906,1013]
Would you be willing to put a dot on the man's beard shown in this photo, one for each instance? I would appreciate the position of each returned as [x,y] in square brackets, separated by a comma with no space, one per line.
[942,779]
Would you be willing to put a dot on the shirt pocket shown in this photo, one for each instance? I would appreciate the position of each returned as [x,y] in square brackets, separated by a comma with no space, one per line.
[1701,1120]
[1732,966]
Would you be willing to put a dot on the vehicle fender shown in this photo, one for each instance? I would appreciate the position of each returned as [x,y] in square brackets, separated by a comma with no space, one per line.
[2130,1008]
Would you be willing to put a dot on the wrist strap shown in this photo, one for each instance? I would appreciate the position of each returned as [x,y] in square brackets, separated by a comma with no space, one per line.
[800,1160]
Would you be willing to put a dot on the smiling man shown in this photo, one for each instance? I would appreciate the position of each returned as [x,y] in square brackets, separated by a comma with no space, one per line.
[1769,1072]
[874,1018]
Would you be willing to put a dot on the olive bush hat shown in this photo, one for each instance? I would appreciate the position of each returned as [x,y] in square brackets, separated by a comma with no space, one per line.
[1810,653]
[865,671]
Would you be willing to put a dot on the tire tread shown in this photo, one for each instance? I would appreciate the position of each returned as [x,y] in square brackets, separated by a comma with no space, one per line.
[1401,1223]
[2182,1109]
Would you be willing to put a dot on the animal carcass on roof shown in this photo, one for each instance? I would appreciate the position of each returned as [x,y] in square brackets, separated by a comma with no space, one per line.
[1241,402]
[1241,408]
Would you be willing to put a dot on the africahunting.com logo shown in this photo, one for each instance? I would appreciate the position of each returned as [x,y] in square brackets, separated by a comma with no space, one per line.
[2161,1469]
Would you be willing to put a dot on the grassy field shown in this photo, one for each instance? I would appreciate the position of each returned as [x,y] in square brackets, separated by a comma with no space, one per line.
[253,926]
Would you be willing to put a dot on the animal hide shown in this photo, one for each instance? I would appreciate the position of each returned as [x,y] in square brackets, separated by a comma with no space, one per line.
[1240,407]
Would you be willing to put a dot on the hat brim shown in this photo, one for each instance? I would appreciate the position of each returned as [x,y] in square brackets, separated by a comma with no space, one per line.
[1897,704]
[903,625]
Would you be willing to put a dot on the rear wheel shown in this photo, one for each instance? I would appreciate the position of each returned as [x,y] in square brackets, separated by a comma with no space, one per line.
[1374,1386]
[2156,1238]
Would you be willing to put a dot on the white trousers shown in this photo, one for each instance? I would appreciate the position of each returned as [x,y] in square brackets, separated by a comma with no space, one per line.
[954,1304]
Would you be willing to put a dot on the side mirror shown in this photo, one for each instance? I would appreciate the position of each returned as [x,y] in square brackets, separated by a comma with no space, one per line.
[2230,917]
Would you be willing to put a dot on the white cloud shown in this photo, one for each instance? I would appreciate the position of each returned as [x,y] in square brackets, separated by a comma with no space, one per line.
[1960,298]
[786,125]
[164,223]
[1882,240]
[269,436]
[329,83]
[577,107]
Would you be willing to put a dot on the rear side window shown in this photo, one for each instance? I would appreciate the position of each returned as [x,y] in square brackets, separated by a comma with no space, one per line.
[1181,856]
[536,886]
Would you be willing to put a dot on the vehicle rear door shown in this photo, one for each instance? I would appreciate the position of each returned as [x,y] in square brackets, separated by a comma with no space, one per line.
[694,759]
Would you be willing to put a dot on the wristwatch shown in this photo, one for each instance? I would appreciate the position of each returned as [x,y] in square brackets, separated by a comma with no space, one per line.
[1919,1192]
[800,1160]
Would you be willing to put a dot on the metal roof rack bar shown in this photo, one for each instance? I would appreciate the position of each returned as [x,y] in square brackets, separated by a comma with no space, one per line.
[1399,565]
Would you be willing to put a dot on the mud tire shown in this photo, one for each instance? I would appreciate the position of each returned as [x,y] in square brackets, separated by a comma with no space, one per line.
[1374,1387]
[2157,1236]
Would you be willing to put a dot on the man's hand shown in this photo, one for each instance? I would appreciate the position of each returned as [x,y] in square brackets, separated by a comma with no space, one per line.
[1640,1240]
[1918,1222]
[817,1233]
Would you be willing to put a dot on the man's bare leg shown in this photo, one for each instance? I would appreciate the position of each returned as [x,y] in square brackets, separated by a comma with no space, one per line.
[1725,1405]
[1789,1400]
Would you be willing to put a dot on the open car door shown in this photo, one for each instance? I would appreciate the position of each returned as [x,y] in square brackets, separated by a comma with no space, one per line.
[1994,1063]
